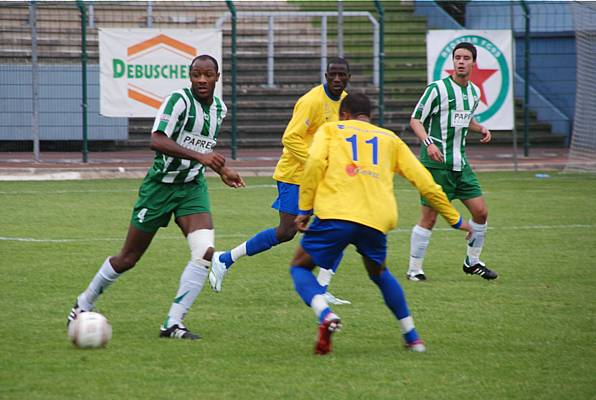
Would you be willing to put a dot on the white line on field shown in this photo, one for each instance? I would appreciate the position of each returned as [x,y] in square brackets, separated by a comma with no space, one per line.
[242,235]
[16,192]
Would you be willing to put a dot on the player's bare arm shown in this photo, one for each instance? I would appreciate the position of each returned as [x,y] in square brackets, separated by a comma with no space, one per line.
[433,151]
[483,130]
[302,222]
[160,142]
[230,177]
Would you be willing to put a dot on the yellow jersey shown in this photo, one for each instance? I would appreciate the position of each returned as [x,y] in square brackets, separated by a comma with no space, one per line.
[349,176]
[310,112]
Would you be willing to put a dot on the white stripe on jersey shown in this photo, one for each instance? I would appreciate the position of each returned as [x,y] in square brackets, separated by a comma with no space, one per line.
[458,131]
[178,108]
[444,102]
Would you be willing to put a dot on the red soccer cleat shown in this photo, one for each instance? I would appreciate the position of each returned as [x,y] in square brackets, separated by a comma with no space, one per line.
[331,324]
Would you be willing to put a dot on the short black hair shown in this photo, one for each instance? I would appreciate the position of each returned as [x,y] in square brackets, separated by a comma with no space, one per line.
[468,46]
[338,60]
[356,104]
[204,57]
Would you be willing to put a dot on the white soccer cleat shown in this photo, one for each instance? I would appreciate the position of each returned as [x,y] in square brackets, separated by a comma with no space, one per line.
[217,273]
[331,299]
[417,346]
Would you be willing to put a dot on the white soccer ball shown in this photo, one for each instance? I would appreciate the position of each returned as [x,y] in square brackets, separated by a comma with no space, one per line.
[90,330]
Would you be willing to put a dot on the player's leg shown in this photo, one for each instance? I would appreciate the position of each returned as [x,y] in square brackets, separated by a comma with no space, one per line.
[322,245]
[421,232]
[419,242]
[149,214]
[134,247]
[287,205]
[198,229]
[469,192]
[472,263]
[372,245]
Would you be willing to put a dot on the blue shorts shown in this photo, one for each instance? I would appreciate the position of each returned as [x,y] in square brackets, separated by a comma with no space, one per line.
[325,241]
[287,198]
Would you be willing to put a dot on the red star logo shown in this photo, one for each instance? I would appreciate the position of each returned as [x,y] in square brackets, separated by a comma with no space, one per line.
[478,76]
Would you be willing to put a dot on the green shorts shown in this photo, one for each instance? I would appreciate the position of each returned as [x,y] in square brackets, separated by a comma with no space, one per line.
[462,185]
[157,201]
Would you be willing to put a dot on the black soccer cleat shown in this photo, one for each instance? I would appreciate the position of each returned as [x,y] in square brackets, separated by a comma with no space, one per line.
[416,277]
[74,313]
[479,269]
[177,332]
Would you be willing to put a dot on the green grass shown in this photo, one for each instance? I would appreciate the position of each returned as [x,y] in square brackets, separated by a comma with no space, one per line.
[529,335]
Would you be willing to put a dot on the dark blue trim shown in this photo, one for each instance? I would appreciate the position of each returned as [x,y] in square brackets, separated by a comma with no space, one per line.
[329,94]
[458,224]
[305,212]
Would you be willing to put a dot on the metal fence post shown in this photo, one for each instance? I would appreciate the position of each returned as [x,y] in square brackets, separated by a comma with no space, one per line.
[340,28]
[34,80]
[83,9]
[270,52]
[149,14]
[381,68]
[323,47]
[232,9]
[526,77]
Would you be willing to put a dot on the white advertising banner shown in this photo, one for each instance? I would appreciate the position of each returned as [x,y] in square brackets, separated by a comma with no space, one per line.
[493,72]
[139,68]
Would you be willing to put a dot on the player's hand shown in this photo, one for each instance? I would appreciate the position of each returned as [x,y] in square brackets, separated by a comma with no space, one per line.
[434,153]
[213,160]
[301,222]
[231,178]
[465,226]
[486,135]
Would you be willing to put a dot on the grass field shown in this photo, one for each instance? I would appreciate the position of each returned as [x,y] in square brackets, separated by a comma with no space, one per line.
[529,335]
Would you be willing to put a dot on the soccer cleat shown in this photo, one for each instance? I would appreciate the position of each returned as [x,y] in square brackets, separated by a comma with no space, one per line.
[479,269]
[177,332]
[416,277]
[74,313]
[217,273]
[331,324]
[331,299]
[417,346]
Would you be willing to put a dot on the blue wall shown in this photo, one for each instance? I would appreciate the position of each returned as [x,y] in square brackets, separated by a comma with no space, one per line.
[60,112]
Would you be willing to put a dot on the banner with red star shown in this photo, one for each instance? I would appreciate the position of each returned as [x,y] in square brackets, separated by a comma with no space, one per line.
[492,73]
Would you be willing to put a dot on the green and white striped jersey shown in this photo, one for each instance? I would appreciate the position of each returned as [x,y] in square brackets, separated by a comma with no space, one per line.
[190,124]
[446,109]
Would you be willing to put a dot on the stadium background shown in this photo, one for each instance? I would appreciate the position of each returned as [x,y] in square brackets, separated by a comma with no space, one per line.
[41,55]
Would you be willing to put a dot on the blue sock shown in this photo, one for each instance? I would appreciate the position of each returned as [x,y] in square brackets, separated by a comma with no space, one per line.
[226,258]
[306,284]
[262,241]
[395,299]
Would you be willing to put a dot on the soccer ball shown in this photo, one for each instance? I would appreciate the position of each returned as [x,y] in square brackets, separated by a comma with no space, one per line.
[90,330]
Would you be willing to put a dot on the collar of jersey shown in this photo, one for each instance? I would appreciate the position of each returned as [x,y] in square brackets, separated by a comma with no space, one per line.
[329,94]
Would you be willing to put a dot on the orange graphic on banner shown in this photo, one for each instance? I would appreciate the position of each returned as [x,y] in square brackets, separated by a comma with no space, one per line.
[161,39]
[133,94]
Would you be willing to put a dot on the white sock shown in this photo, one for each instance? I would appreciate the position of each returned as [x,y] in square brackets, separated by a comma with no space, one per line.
[418,245]
[476,242]
[324,277]
[100,282]
[318,304]
[191,284]
[238,251]
[406,324]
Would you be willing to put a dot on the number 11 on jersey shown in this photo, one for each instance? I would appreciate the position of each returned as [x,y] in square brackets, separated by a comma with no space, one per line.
[374,142]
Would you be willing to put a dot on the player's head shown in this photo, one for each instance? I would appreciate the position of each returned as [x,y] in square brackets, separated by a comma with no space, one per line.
[337,75]
[464,57]
[204,74]
[354,105]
